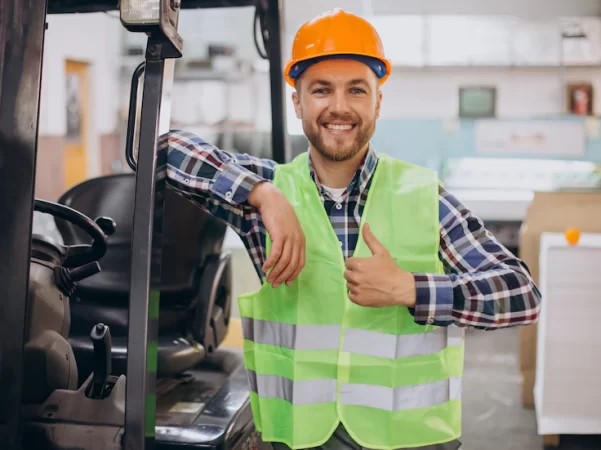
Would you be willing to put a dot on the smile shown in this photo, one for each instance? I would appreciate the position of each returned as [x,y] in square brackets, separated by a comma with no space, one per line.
[339,127]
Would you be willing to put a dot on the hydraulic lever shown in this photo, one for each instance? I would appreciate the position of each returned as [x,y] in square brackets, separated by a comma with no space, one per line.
[101,338]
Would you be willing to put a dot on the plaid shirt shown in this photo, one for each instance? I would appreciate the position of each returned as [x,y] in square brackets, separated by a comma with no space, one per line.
[484,286]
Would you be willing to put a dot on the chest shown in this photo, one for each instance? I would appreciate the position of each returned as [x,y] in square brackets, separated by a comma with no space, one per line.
[344,210]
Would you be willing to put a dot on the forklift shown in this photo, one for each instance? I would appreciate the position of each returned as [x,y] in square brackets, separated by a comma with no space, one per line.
[111,339]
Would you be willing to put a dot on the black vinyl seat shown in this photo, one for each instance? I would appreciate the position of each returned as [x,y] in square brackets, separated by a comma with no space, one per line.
[195,282]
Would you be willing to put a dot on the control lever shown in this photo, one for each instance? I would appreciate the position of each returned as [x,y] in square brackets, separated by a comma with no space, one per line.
[83,272]
[101,338]
[65,279]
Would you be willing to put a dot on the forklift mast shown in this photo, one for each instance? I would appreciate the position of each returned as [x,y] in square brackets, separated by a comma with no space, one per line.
[22,30]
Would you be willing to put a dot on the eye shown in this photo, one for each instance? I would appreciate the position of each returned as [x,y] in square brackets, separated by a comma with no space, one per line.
[357,91]
[320,91]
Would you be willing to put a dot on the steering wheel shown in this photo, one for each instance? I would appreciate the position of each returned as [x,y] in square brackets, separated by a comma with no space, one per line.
[80,254]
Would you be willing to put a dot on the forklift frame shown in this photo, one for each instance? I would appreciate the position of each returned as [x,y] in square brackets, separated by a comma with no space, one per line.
[22,31]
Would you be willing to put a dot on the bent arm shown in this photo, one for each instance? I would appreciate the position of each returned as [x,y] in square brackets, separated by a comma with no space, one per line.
[485,286]
[218,181]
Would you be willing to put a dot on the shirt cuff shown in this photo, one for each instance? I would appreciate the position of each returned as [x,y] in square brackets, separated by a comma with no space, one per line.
[234,184]
[434,300]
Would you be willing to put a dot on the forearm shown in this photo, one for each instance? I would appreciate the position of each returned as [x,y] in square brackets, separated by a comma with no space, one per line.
[494,297]
[218,181]
[484,286]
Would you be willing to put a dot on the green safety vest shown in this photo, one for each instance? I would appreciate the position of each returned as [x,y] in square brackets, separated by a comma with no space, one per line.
[315,359]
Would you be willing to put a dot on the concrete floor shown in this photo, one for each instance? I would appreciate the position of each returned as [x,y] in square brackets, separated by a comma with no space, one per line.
[493,416]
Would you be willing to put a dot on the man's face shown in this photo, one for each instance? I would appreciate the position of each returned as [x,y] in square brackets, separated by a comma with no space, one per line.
[338,102]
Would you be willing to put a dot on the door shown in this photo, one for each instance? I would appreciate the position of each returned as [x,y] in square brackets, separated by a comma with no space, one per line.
[76,94]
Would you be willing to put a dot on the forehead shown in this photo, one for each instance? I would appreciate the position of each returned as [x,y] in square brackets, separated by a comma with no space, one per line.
[339,70]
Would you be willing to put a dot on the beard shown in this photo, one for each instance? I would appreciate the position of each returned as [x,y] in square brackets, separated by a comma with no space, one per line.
[341,148]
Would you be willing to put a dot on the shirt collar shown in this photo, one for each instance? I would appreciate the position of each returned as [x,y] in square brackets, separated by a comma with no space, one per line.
[361,177]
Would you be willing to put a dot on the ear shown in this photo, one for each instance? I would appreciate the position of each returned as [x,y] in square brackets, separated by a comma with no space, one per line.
[378,103]
[297,106]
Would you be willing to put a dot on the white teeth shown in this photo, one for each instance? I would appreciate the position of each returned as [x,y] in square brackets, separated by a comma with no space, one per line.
[339,127]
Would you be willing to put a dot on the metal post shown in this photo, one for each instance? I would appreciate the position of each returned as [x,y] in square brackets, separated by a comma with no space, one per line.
[140,412]
[280,144]
[22,27]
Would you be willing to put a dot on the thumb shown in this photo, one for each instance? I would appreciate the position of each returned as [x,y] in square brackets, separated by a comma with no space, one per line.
[372,242]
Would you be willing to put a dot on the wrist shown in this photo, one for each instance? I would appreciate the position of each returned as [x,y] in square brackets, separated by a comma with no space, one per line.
[233,184]
[260,194]
[405,292]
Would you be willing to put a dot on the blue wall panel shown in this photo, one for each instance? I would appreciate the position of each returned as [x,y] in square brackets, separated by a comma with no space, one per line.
[425,142]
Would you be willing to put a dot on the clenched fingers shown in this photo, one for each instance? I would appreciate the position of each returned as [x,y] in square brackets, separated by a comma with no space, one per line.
[281,263]
[301,264]
[289,263]
[274,255]
[292,266]
[351,277]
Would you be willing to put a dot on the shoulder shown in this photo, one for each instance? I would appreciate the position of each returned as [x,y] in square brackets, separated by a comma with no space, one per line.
[403,173]
[295,168]
[399,164]
[453,212]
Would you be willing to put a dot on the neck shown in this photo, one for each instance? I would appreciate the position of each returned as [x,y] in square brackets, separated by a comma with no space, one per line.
[336,174]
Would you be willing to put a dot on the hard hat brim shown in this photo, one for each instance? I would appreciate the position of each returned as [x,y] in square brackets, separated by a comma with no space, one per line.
[320,57]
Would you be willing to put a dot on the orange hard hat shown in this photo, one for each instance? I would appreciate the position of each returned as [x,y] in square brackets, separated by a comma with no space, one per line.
[337,34]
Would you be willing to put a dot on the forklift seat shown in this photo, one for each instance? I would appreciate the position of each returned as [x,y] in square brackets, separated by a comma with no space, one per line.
[195,284]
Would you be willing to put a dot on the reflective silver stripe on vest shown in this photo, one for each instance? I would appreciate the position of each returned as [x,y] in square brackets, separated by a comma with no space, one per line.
[390,346]
[305,392]
[455,336]
[297,337]
[363,342]
[308,392]
[401,398]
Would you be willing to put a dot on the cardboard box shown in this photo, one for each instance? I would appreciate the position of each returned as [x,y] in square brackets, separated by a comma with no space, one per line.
[550,212]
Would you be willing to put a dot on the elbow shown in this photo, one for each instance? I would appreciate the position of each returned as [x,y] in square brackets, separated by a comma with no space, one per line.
[180,153]
[515,309]
[526,305]
[535,298]
[531,300]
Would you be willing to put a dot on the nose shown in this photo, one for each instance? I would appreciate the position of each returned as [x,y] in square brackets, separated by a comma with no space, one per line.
[339,103]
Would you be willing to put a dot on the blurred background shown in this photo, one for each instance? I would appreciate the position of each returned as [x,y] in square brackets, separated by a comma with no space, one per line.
[501,98]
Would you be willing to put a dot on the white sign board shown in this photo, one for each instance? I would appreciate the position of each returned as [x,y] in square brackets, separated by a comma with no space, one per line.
[546,138]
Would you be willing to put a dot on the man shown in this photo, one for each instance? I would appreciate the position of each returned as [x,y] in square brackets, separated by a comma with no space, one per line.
[371,269]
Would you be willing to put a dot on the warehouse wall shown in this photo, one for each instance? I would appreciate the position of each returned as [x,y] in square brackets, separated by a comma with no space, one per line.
[524,92]
[73,37]
[424,93]
[409,93]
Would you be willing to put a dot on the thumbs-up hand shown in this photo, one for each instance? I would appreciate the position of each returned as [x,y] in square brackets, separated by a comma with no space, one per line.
[377,281]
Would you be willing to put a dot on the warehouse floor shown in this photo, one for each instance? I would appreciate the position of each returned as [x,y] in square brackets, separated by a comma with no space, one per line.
[493,414]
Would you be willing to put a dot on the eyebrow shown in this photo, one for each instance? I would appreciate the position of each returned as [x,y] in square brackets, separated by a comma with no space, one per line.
[358,81]
[354,82]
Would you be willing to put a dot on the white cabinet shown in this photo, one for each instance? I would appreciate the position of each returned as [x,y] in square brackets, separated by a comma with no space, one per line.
[439,41]
[568,385]
[465,40]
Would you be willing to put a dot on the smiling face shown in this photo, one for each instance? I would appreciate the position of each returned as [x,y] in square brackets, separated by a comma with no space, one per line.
[338,102]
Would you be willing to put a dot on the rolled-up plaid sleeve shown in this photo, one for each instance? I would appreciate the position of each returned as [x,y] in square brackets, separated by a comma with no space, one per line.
[218,181]
[484,286]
